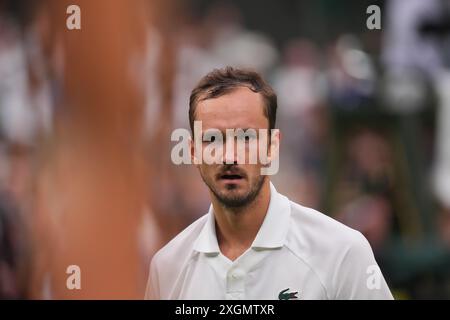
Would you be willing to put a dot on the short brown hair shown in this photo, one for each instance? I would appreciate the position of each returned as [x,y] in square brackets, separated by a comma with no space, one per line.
[221,81]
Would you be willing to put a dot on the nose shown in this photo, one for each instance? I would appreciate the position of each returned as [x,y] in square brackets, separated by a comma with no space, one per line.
[230,159]
[230,155]
[231,162]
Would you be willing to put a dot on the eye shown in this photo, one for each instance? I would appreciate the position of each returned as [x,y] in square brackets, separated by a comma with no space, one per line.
[246,138]
[250,137]
[211,136]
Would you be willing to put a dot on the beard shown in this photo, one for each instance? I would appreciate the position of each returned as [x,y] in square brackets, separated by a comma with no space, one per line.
[230,199]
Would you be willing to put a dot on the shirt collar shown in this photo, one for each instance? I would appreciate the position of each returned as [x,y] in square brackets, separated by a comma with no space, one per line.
[272,233]
[207,241]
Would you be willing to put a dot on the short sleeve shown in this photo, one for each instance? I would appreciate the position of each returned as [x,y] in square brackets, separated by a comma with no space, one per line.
[358,276]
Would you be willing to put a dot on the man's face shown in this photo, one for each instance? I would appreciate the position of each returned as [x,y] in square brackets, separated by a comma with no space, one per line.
[234,185]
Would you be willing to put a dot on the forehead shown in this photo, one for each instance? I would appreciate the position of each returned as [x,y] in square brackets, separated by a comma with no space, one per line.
[239,108]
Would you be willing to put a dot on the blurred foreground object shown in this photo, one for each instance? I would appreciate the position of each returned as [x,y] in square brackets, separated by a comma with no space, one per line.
[91,171]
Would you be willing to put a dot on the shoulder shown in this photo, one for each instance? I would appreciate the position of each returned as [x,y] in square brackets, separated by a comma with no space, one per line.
[183,242]
[325,244]
[171,260]
[181,245]
[313,230]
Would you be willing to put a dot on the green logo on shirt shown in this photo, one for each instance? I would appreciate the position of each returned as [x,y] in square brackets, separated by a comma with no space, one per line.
[283,295]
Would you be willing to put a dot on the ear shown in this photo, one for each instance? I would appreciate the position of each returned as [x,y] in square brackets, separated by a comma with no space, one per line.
[275,139]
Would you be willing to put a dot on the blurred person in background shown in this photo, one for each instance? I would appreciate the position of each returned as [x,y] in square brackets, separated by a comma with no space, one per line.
[25,116]
[301,87]
[14,251]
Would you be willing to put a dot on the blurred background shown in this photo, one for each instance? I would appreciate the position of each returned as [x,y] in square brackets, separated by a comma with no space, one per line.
[86,117]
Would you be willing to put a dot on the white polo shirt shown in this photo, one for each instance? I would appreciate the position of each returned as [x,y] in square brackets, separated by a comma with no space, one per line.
[298,253]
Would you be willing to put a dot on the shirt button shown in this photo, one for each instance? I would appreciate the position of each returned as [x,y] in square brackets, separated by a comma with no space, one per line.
[236,274]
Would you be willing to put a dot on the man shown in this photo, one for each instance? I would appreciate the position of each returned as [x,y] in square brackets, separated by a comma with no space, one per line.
[254,243]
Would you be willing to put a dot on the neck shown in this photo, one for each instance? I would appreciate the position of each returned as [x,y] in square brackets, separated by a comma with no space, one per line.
[236,228]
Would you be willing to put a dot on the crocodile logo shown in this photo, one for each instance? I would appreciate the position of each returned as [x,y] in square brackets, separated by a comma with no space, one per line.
[284,295]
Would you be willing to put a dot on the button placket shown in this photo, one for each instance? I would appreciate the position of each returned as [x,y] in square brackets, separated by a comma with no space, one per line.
[235,281]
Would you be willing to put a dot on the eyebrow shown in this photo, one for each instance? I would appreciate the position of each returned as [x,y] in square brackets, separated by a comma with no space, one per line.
[224,130]
[207,132]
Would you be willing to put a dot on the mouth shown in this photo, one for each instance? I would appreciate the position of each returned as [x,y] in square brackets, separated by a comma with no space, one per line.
[231,177]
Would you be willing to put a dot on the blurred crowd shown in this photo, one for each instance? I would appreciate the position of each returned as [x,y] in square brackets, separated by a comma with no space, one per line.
[364,116]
